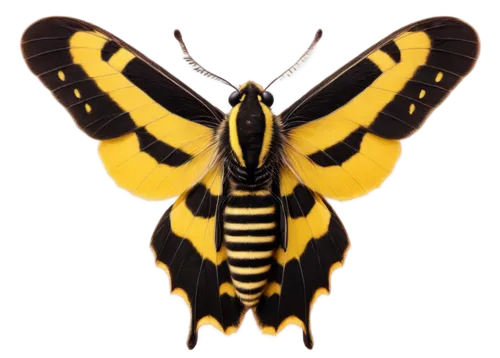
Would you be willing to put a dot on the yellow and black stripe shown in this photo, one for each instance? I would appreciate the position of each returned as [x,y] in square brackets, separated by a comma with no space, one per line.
[250,239]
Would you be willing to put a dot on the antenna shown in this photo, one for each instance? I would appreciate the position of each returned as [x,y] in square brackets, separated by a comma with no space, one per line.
[195,66]
[301,61]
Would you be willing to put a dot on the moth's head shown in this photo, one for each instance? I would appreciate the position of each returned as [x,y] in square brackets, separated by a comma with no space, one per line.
[251,90]
[250,125]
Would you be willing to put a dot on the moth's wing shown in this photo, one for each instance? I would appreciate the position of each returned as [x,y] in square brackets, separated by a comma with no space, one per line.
[157,135]
[317,245]
[342,137]
[184,244]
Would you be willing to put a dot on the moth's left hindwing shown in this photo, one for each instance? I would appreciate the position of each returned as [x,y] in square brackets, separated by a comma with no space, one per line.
[317,245]
[157,134]
[185,247]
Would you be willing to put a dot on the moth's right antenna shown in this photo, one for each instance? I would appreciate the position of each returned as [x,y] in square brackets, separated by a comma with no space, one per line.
[196,65]
[302,61]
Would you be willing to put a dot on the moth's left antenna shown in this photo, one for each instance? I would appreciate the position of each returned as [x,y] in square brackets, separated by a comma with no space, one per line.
[196,65]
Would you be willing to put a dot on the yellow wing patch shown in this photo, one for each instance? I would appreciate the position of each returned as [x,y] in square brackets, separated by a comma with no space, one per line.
[364,171]
[187,222]
[139,173]
[302,228]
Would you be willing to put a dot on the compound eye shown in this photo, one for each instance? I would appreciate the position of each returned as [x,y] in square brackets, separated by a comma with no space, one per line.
[267,98]
[234,98]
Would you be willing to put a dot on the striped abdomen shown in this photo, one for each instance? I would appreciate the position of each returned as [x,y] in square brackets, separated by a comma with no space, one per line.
[250,238]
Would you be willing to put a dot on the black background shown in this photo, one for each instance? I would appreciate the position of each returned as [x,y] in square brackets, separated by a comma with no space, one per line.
[417,242]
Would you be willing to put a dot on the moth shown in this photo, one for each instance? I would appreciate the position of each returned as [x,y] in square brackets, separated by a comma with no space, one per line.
[251,228]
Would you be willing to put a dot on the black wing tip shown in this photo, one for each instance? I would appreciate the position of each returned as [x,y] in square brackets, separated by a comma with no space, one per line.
[439,18]
[308,340]
[192,340]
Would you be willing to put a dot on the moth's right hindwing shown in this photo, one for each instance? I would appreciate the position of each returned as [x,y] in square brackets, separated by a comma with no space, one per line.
[185,247]
[157,134]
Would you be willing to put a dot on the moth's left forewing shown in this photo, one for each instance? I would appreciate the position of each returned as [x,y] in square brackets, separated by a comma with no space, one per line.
[343,136]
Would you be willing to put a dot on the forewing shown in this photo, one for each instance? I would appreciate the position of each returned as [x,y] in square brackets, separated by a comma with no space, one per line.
[157,134]
[342,136]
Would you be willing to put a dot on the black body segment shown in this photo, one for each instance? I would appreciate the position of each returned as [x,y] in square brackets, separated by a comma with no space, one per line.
[251,125]
[251,132]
